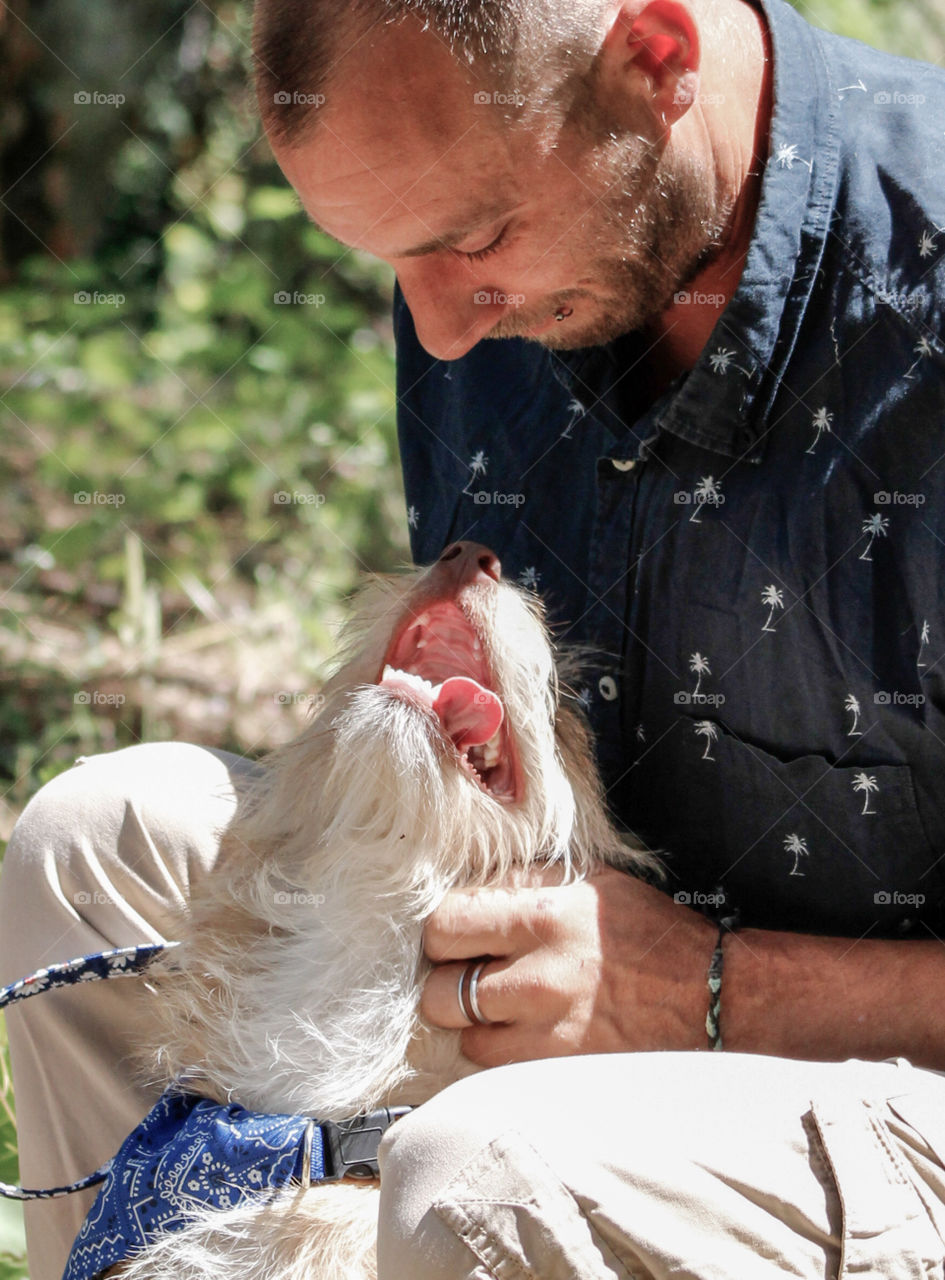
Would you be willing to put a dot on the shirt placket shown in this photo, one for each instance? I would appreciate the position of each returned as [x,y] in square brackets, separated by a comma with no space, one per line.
[610,581]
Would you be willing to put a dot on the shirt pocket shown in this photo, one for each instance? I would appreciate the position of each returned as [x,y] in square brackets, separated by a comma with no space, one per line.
[806,844]
[887,1230]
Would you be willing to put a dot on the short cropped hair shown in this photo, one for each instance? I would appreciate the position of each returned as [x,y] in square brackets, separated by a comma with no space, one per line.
[526,44]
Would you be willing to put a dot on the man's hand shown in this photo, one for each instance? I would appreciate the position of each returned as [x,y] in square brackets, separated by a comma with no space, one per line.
[604,965]
[611,964]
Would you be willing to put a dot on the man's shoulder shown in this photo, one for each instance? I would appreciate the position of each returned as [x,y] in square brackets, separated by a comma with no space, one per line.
[888,229]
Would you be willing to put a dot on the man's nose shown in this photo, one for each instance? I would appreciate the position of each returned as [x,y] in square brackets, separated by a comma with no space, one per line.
[449,313]
[464,563]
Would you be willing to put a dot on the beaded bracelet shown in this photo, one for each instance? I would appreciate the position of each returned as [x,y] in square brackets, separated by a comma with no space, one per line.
[727,924]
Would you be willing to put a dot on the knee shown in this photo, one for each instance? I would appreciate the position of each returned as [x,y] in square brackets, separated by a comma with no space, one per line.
[113,844]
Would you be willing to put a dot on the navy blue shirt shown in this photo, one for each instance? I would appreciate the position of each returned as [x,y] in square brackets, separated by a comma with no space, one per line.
[757,556]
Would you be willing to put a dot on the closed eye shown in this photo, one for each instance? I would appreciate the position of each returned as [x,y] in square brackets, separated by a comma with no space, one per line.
[479,254]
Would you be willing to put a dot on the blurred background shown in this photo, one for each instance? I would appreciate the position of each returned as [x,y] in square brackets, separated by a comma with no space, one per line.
[197,408]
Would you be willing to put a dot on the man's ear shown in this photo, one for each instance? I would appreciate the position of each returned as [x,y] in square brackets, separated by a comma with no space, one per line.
[652,55]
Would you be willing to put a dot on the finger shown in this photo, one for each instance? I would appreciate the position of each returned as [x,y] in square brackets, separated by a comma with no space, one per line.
[489,922]
[440,1003]
[504,1043]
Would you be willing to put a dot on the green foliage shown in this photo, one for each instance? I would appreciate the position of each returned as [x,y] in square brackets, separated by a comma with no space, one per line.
[197,450]
[916,30]
[12,1240]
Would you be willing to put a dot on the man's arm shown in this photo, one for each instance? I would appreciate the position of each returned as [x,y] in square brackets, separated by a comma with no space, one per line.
[611,964]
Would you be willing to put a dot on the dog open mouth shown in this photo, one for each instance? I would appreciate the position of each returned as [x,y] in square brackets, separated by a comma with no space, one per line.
[436,660]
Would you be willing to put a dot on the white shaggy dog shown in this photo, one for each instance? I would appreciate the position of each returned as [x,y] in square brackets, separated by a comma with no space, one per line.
[440,756]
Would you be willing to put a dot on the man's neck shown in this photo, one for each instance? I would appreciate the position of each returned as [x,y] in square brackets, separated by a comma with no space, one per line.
[683,330]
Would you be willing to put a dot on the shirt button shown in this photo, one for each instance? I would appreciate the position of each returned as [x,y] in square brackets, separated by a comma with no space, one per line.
[623,464]
[607,686]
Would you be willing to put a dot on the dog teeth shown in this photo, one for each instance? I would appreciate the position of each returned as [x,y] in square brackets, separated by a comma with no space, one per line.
[488,754]
[395,675]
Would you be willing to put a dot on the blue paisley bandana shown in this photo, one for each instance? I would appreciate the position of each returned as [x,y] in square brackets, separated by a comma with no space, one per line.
[188,1154]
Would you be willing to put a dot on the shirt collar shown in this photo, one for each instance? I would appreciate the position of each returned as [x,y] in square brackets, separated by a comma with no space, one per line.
[723,402]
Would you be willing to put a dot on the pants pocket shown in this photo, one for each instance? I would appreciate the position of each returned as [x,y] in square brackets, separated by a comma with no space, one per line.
[512,1210]
[887,1230]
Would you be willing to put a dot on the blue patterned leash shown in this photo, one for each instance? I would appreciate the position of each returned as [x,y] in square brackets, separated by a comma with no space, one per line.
[123,962]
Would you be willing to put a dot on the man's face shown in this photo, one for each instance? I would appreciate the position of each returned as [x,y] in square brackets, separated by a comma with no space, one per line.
[493,227]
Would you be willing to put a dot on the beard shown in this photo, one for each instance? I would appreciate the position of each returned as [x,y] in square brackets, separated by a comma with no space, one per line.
[656,226]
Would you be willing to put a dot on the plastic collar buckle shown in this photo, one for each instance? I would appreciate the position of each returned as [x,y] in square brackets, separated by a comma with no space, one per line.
[352,1145]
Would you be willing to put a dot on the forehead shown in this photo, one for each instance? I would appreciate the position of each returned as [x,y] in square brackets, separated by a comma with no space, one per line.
[406,141]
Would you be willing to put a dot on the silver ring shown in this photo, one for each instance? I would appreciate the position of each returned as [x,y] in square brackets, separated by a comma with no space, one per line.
[468,993]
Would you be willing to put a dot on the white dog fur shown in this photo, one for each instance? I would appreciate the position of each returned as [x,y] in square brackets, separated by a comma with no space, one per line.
[297,986]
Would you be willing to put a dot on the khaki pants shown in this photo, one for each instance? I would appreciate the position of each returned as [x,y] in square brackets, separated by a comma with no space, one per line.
[642,1165]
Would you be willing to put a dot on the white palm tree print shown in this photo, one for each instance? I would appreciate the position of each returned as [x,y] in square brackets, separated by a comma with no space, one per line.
[413,517]
[923,641]
[787,155]
[852,705]
[876,526]
[772,598]
[866,783]
[721,359]
[699,666]
[528,578]
[478,465]
[576,412]
[706,729]
[706,491]
[921,349]
[926,244]
[798,846]
[821,422]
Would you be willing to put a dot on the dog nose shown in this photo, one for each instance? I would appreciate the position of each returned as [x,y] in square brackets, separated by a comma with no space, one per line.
[468,562]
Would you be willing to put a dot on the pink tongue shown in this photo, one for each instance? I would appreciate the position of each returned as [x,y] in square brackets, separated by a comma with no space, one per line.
[469,713]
